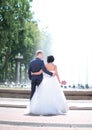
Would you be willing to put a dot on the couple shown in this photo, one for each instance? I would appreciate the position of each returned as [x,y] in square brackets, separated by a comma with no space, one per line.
[47,97]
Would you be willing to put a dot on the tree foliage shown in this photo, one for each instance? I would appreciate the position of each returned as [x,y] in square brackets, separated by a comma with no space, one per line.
[19,33]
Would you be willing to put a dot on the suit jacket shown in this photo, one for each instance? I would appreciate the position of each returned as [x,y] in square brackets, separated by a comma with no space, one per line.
[36,65]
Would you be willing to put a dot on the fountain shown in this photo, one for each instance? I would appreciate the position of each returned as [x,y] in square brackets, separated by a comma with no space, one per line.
[70,25]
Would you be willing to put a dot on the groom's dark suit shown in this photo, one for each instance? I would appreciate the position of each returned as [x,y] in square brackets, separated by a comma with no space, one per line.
[35,66]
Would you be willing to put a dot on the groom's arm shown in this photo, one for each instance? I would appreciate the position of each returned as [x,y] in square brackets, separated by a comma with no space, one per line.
[45,70]
[29,72]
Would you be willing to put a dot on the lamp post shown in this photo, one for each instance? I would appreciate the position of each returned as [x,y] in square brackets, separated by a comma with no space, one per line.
[18,59]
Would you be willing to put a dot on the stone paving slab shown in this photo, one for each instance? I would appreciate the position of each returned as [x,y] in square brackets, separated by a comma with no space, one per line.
[72,117]
[14,118]
[2,127]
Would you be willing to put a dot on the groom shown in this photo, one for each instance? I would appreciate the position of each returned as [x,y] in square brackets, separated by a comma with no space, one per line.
[36,65]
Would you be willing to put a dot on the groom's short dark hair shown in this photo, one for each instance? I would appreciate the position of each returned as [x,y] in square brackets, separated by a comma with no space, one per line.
[50,58]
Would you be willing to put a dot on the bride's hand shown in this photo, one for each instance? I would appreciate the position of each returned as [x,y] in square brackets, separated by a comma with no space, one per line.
[63,82]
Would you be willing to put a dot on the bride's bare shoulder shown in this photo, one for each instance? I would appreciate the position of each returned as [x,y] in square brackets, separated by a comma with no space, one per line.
[51,66]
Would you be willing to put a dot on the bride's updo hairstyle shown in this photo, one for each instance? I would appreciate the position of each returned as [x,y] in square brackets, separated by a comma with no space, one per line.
[50,59]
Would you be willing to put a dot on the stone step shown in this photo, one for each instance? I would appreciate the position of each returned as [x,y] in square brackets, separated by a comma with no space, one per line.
[22,103]
[71,94]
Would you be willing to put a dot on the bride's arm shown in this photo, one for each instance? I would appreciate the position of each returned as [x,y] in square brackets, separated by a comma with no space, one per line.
[37,73]
[57,75]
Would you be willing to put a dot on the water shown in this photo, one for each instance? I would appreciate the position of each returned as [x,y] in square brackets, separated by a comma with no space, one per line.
[70,24]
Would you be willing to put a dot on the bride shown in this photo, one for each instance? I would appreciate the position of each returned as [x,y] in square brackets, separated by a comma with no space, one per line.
[48,98]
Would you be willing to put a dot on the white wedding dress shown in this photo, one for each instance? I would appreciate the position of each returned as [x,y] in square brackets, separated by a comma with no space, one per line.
[48,98]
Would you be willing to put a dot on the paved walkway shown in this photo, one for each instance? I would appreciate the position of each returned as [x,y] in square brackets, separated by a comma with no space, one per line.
[12,117]
[21,103]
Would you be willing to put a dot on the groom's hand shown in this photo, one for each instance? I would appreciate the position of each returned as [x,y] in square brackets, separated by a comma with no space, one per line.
[37,73]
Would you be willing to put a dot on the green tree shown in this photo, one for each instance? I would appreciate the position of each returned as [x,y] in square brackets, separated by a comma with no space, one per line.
[18,33]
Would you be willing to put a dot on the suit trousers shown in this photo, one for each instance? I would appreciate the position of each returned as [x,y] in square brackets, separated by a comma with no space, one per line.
[34,84]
